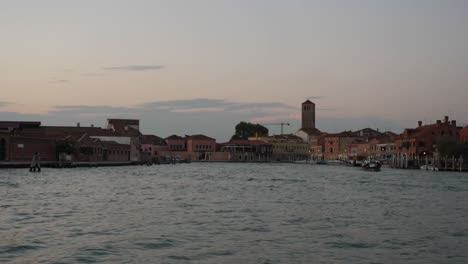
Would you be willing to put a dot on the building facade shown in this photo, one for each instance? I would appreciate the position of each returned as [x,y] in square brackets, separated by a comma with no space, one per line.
[417,143]
[248,150]
[336,145]
[286,147]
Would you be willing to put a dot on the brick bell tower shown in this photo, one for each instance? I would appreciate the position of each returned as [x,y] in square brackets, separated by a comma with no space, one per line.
[308,115]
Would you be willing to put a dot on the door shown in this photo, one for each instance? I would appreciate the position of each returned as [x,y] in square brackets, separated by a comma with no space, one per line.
[2,149]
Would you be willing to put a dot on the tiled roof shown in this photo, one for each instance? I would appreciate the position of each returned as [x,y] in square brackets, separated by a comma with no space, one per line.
[61,132]
[342,134]
[242,142]
[312,131]
[308,102]
[424,130]
[174,137]
[124,122]
[19,124]
[200,137]
[152,139]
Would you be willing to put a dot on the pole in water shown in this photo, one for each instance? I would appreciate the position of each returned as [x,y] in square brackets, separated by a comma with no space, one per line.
[35,163]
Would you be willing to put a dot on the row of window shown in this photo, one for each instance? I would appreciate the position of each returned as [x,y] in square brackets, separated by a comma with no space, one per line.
[119,152]
[286,147]
[177,147]
[203,147]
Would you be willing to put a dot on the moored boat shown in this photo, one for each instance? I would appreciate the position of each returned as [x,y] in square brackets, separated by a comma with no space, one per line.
[429,168]
[371,166]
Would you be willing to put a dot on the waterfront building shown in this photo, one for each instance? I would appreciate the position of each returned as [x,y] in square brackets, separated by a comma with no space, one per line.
[153,148]
[367,133]
[308,134]
[336,145]
[122,131]
[247,150]
[194,147]
[286,147]
[358,149]
[117,143]
[201,146]
[464,134]
[380,147]
[13,147]
[176,143]
[317,148]
[417,143]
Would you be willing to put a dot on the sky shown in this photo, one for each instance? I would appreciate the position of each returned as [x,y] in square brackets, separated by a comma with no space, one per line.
[188,67]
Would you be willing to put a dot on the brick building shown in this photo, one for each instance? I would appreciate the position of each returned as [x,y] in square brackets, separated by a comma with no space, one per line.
[20,140]
[308,115]
[153,148]
[336,145]
[286,147]
[176,143]
[464,134]
[202,146]
[415,143]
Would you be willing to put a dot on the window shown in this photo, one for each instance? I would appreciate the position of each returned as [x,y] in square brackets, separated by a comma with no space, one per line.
[331,150]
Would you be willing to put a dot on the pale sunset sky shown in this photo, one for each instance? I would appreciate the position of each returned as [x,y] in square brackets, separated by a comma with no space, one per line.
[202,66]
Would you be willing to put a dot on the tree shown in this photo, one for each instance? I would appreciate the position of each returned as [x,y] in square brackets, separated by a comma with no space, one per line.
[449,147]
[244,130]
[66,147]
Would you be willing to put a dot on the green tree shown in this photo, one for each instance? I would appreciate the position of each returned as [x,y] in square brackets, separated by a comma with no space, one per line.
[66,147]
[448,147]
[244,130]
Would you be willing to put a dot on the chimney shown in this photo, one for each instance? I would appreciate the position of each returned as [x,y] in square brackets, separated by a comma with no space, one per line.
[78,124]
[439,122]
[92,125]
[454,123]
[446,119]
[419,123]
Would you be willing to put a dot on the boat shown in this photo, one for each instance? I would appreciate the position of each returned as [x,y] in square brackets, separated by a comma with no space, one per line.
[429,168]
[371,166]
[321,162]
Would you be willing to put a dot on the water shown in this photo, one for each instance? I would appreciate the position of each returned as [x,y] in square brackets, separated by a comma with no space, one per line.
[233,213]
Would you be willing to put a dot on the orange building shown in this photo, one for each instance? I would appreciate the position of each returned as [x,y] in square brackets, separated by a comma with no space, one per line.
[336,145]
[464,134]
[176,143]
[201,145]
[418,142]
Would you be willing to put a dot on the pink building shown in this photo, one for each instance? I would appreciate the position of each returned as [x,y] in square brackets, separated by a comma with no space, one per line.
[153,148]
[201,145]
[176,143]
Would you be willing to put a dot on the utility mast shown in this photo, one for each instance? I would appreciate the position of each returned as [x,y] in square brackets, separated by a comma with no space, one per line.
[277,124]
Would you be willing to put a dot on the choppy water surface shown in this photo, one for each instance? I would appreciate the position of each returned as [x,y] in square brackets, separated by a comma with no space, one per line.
[233,213]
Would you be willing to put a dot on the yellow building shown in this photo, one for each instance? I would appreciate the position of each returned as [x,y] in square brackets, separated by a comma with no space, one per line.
[287,147]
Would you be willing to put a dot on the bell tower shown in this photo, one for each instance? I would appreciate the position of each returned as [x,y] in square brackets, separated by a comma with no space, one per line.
[308,115]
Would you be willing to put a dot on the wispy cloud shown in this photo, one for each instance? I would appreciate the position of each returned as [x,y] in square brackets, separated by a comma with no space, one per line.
[198,110]
[314,97]
[94,74]
[214,117]
[5,104]
[135,68]
[61,81]
[220,105]
[276,118]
